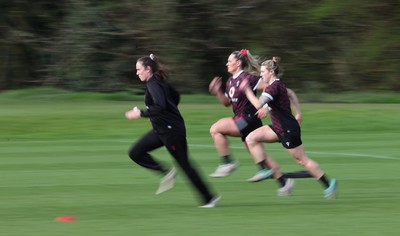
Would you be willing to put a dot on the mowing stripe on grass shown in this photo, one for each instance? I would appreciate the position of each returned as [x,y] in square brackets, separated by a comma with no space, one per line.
[201,146]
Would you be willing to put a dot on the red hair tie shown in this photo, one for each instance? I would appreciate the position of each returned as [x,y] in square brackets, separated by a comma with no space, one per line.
[243,52]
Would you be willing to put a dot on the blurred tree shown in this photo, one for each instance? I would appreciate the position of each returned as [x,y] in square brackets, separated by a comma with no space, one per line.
[86,52]
[325,45]
[365,35]
[26,29]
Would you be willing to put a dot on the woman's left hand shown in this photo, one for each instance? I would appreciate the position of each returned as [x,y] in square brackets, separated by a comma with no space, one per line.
[244,85]
[298,118]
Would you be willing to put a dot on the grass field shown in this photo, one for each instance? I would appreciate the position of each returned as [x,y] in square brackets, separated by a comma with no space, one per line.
[69,157]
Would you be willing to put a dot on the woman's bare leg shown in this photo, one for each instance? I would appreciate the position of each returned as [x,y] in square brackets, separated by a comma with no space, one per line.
[219,132]
[302,159]
[255,145]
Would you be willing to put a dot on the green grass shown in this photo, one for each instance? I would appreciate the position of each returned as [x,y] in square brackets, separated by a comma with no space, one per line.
[66,156]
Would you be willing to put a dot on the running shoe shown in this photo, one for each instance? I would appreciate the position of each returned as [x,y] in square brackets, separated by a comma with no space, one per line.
[330,192]
[224,170]
[212,203]
[261,175]
[287,189]
[167,182]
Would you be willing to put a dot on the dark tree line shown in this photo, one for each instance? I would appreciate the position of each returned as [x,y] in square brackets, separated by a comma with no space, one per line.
[325,45]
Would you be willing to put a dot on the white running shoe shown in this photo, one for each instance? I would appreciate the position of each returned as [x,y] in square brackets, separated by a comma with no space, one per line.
[212,203]
[287,189]
[224,170]
[167,182]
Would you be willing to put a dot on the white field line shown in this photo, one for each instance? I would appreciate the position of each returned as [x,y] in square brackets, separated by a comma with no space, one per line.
[198,146]
[319,153]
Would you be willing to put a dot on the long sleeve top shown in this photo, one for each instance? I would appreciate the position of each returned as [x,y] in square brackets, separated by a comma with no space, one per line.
[161,101]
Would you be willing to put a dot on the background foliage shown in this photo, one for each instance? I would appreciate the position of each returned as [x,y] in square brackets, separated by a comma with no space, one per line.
[91,45]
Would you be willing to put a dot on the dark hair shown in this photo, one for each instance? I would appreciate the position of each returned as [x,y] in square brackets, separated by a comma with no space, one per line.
[155,66]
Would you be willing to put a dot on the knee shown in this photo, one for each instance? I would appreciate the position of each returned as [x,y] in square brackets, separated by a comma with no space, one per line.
[250,139]
[214,130]
[133,153]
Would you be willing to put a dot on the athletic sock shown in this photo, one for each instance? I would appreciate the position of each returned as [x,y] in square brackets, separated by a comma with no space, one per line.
[324,180]
[226,159]
[262,165]
[282,181]
[164,170]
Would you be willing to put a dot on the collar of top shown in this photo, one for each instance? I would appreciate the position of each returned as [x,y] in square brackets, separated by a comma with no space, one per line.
[237,74]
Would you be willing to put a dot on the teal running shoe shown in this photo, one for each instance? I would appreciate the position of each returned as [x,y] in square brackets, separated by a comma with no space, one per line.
[261,175]
[330,192]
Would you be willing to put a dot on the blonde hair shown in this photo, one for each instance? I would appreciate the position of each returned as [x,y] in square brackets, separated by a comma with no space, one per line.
[250,63]
[272,64]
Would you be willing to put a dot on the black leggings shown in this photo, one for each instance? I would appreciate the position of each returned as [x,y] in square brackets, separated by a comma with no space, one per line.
[176,145]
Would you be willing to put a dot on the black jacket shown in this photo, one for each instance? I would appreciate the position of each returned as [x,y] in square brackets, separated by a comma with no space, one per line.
[162,101]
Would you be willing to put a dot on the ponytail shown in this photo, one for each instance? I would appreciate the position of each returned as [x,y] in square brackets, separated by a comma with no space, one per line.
[250,63]
[273,64]
[155,66]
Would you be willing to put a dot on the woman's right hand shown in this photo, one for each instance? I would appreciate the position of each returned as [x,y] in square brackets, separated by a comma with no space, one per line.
[215,85]
[133,114]
[262,112]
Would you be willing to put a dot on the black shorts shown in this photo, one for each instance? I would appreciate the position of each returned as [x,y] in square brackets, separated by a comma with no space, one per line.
[289,141]
[246,124]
